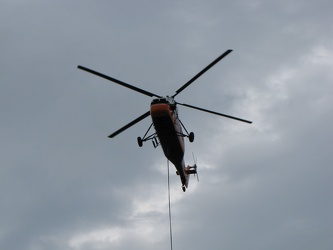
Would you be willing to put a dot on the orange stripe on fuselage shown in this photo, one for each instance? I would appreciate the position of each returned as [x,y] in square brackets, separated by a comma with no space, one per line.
[160,110]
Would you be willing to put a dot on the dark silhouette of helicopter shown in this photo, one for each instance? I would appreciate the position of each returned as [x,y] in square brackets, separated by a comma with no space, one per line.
[168,127]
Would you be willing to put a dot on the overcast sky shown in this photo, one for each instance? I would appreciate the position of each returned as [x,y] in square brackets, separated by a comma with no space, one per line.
[65,185]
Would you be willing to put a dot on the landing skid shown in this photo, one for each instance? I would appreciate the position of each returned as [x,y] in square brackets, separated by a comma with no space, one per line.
[152,137]
[190,135]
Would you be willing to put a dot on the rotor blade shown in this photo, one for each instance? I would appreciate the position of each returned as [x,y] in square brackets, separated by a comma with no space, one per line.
[213,112]
[202,72]
[130,124]
[118,82]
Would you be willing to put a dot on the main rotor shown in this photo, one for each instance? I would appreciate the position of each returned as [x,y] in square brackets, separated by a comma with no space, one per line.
[150,93]
[167,99]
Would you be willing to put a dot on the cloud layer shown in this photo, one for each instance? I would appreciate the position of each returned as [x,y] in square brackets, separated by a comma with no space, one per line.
[65,185]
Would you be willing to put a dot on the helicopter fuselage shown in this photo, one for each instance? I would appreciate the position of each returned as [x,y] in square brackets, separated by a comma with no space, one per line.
[164,115]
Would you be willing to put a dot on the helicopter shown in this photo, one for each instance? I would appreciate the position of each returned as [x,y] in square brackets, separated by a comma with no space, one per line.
[169,130]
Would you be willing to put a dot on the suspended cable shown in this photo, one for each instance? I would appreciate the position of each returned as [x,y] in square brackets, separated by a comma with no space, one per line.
[170,224]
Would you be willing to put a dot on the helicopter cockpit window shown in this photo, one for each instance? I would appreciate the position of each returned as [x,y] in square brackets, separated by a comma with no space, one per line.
[159,100]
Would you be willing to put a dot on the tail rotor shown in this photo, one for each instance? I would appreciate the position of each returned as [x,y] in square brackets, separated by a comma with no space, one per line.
[193,169]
